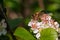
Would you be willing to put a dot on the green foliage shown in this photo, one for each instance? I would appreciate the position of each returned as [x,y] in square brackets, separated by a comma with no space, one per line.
[52,7]
[14,23]
[12,5]
[56,16]
[4,37]
[23,33]
[55,1]
[35,7]
[10,37]
[48,34]
[26,20]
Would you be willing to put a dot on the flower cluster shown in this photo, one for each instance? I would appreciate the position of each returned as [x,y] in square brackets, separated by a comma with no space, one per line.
[46,22]
[3,26]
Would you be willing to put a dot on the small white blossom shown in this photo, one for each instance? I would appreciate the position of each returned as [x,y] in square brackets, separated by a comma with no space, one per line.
[46,26]
[36,31]
[42,26]
[3,25]
[38,35]
[49,18]
[56,24]
[56,38]
[3,20]
[4,32]
[50,24]
[38,24]
[30,23]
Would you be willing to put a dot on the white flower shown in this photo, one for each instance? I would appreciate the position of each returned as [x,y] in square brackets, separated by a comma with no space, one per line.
[50,24]
[56,24]
[30,23]
[3,20]
[36,31]
[42,26]
[56,38]
[49,18]
[38,24]
[38,35]
[3,25]
[4,32]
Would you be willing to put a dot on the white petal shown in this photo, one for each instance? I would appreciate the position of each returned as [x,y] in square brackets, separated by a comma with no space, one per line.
[38,23]
[55,23]
[38,26]
[4,32]
[56,38]
[4,25]
[35,31]
[32,29]
[49,18]
[49,24]
[41,22]
[0,33]
[57,30]
[42,26]
[3,20]
[37,35]
[29,24]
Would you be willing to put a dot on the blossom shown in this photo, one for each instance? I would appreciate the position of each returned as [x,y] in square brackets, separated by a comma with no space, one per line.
[38,35]
[35,25]
[46,22]
[3,26]
[56,38]
[36,31]
[56,25]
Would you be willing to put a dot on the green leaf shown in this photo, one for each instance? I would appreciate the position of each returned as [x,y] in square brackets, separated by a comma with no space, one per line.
[10,37]
[23,34]
[48,34]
